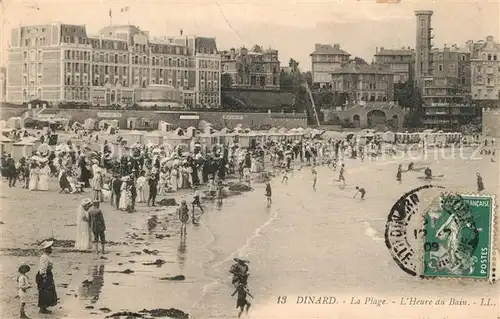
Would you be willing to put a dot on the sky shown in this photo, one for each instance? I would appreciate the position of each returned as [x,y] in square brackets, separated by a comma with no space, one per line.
[292,27]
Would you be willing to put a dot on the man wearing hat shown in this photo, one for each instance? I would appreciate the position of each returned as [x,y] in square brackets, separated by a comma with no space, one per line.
[239,271]
[97,225]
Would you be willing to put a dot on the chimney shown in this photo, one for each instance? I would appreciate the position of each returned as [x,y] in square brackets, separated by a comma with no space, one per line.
[336,46]
[381,49]
[317,46]
[182,32]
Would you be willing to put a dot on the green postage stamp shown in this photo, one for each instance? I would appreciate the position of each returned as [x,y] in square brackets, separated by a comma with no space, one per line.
[459,237]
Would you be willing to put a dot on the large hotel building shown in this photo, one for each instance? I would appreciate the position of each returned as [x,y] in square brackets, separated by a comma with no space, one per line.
[60,63]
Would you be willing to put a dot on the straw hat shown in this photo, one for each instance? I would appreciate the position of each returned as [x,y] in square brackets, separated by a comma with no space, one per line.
[86,201]
[24,268]
[238,260]
[46,244]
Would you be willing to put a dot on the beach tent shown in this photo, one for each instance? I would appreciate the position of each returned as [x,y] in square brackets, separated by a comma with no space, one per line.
[178,131]
[22,149]
[154,138]
[273,130]
[77,126]
[134,137]
[104,124]
[5,144]
[389,137]
[202,125]
[165,126]
[175,140]
[132,123]
[15,123]
[238,129]
[191,131]
[90,124]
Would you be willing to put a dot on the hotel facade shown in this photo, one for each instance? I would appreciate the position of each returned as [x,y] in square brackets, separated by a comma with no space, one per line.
[60,63]
[252,69]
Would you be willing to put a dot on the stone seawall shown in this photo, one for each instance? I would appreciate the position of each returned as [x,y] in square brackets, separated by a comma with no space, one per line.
[218,119]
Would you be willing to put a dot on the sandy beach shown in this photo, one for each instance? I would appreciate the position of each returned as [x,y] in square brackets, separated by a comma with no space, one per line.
[307,242]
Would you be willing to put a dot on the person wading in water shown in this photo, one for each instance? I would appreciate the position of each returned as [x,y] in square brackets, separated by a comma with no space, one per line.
[240,272]
[315,177]
[399,174]
[183,214]
[269,194]
[479,181]
[241,301]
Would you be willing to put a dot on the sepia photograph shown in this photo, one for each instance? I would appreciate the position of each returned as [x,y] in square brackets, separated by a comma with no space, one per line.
[213,159]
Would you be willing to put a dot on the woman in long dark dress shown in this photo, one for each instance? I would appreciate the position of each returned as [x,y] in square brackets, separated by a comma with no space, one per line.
[47,296]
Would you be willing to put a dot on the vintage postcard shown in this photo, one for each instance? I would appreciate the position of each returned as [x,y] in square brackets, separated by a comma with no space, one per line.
[205,159]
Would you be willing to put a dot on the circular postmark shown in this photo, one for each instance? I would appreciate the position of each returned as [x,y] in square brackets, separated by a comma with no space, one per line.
[404,230]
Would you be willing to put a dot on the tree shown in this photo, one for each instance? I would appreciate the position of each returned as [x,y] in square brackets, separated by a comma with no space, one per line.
[307,76]
[294,65]
[226,81]
[359,61]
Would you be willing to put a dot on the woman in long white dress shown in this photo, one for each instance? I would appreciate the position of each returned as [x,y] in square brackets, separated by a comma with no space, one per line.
[123,204]
[173,178]
[43,178]
[33,184]
[83,239]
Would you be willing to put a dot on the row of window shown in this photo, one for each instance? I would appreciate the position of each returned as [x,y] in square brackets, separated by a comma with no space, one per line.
[38,41]
[33,56]
[488,69]
[33,68]
[32,95]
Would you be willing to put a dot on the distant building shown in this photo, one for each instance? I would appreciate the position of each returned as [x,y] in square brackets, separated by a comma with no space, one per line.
[325,59]
[485,70]
[443,78]
[61,63]
[252,69]
[3,84]
[398,61]
[446,95]
[423,46]
[364,82]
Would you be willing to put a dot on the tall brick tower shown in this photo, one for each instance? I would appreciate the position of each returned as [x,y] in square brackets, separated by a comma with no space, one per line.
[423,48]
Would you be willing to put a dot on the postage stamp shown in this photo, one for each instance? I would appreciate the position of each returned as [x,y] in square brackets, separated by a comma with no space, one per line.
[459,237]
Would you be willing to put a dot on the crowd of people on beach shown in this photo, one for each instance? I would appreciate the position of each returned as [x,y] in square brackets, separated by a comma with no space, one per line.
[146,171]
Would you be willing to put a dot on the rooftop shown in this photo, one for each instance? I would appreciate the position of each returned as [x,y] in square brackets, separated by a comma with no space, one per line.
[328,49]
[391,52]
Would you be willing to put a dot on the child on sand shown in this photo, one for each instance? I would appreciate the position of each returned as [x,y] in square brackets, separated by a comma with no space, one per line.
[23,283]
[285,177]
[242,301]
[361,191]
[269,194]
[315,177]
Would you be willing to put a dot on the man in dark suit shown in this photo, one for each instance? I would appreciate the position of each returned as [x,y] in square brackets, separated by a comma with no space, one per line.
[11,171]
[153,188]
[116,185]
